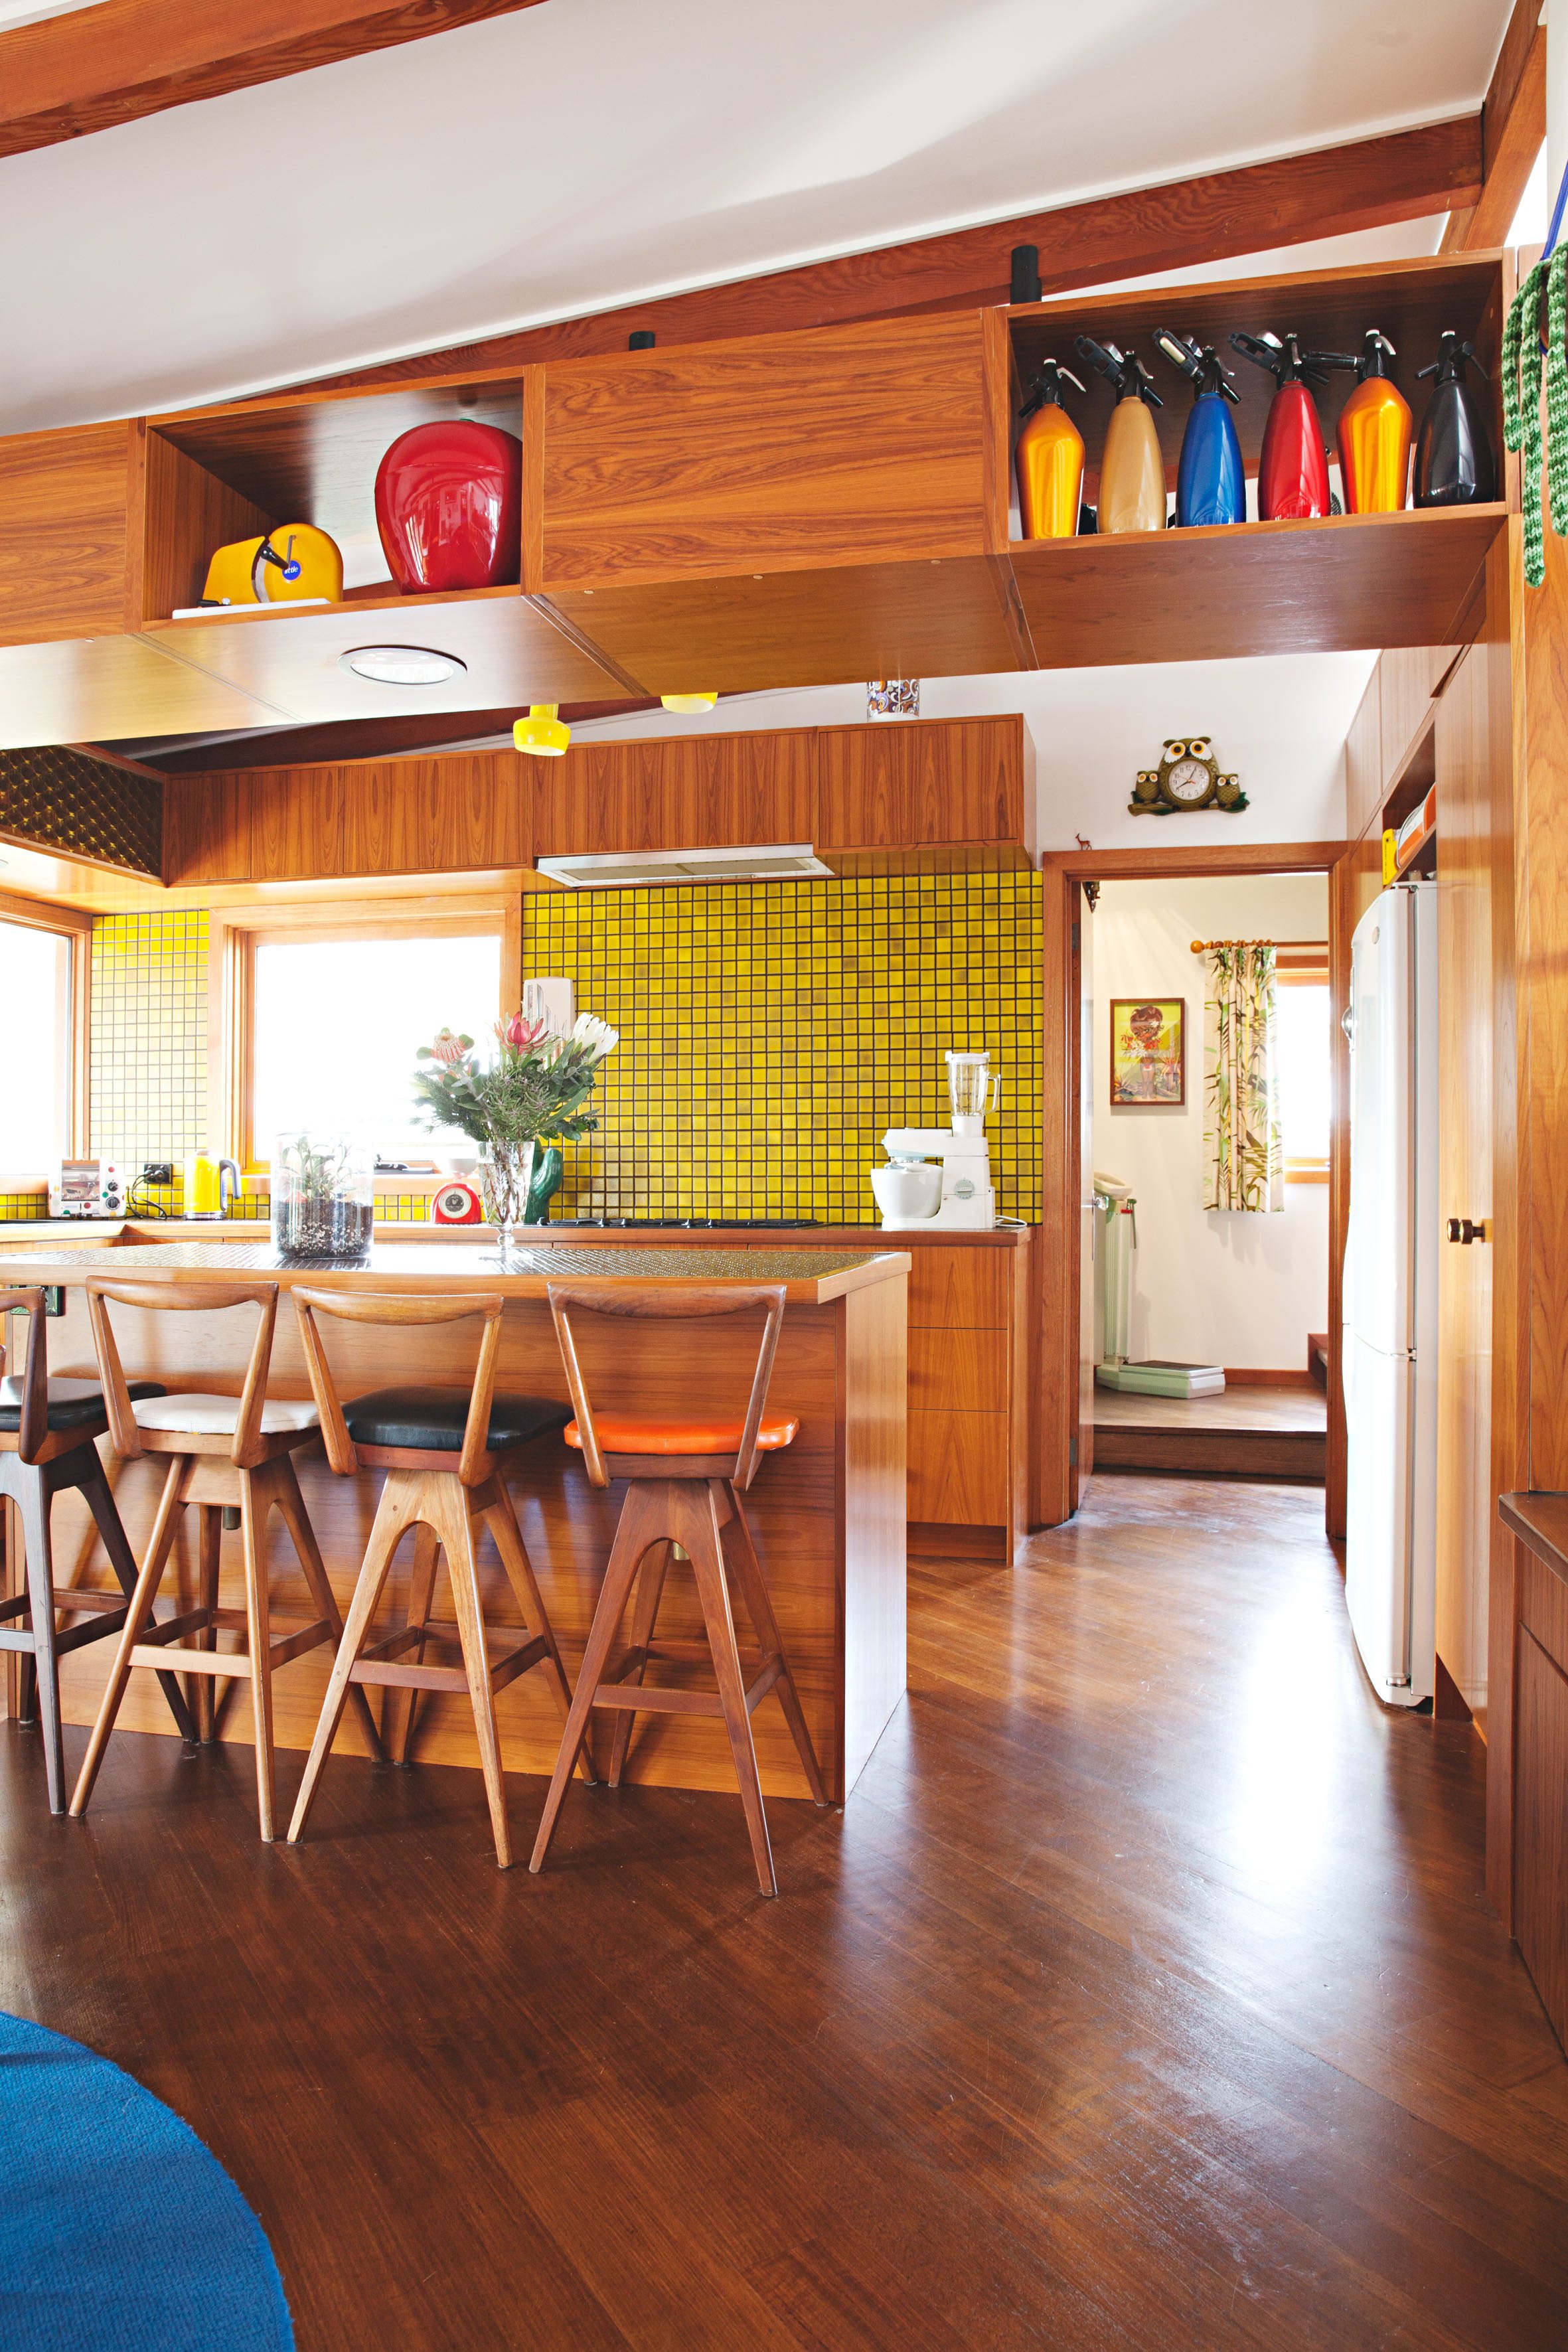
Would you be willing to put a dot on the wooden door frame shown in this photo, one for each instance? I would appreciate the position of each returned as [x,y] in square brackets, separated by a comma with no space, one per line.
[1063,873]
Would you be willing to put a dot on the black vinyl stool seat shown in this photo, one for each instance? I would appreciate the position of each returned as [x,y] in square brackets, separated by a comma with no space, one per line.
[432,1420]
[70,1404]
[47,1429]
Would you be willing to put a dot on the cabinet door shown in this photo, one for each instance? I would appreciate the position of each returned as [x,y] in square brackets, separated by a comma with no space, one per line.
[693,793]
[855,444]
[64,526]
[910,785]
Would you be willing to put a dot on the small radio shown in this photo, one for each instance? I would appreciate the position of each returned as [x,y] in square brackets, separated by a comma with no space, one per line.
[86,1188]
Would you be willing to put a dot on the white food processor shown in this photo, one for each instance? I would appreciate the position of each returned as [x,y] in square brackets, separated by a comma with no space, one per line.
[956,1190]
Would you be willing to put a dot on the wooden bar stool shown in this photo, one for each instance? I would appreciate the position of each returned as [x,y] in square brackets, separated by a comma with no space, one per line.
[223,1453]
[441,1449]
[685,1483]
[47,1430]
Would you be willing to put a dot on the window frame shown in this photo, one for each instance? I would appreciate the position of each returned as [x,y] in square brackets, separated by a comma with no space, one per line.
[1304,964]
[235,935]
[74,925]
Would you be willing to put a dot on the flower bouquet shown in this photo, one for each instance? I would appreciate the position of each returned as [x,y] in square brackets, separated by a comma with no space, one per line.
[535,1083]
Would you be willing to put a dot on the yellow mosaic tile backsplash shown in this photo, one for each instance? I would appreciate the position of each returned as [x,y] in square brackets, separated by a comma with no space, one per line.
[772,1031]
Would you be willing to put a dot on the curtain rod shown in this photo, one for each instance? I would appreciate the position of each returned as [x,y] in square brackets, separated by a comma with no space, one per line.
[1201,947]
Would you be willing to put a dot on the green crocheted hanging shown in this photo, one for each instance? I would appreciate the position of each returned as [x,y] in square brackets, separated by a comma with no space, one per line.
[1522,427]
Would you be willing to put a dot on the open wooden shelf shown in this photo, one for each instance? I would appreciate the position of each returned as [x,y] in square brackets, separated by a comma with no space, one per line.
[1349,583]
[1411,301]
[290,459]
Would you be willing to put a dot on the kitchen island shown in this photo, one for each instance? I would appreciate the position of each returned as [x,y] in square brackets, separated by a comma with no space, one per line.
[828,1512]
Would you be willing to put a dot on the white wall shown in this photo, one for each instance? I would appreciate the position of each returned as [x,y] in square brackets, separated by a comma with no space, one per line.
[1209,1285]
[1279,723]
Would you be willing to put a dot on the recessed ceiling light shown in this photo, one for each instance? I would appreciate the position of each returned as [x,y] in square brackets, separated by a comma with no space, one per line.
[402,664]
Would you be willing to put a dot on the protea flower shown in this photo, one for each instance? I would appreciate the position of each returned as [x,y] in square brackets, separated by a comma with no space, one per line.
[521,1033]
[446,1049]
[589,1030]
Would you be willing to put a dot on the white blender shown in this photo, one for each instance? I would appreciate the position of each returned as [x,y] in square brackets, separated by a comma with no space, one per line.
[911,1192]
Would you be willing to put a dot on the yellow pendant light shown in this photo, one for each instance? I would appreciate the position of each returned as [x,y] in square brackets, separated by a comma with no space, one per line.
[689,706]
[542,732]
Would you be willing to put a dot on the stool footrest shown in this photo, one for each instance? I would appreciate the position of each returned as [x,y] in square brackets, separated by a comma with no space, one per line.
[155,1650]
[634,1697]
[378,1664]
[75,1637]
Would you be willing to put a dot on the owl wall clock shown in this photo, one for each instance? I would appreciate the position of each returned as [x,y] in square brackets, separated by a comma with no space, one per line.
[1187,779]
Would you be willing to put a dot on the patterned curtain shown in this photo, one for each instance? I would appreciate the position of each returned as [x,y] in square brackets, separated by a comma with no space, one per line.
[1243,1165]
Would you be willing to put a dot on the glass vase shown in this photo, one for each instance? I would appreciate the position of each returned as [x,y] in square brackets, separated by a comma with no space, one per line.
[322,1200]
[506,1174]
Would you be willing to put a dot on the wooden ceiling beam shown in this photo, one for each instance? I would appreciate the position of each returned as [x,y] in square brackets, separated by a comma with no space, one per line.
[1514,126]
[65,77]
[1405,175]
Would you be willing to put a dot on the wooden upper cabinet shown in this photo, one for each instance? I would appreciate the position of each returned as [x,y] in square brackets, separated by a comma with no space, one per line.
[692,792]
[927,784]
[849,446]
[65,532]
[463,813]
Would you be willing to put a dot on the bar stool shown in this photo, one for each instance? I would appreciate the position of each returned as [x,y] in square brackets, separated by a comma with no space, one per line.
[47,1429]
[224,1453]
[684,1484]
[441,1449]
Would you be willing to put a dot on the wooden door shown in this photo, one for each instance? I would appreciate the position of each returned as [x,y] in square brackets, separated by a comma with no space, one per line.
[1466,1501]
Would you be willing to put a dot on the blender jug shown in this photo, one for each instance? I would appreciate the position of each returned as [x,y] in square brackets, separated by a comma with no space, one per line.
[971,1091]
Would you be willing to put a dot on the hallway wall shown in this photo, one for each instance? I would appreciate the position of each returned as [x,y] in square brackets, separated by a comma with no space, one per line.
[1209,1285]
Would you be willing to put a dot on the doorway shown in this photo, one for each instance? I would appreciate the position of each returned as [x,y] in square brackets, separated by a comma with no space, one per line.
[1077,1146]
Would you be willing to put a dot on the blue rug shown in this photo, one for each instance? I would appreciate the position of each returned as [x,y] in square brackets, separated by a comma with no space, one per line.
[118,2232]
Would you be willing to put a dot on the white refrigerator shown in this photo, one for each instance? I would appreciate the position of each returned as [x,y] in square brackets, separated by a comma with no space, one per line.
[1390,1295]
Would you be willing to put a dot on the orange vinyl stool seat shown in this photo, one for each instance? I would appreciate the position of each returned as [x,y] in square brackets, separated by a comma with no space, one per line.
[631,1432]
[686,1478]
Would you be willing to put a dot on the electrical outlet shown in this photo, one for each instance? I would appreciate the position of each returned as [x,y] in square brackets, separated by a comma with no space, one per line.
[158,1171]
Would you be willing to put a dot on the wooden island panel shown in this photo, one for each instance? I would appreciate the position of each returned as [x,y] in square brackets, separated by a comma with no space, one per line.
[827,1513]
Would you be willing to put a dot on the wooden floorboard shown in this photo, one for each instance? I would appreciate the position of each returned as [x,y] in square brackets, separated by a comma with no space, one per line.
[1144,1995]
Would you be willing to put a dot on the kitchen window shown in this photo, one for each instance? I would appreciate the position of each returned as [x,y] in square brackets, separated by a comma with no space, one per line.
[43,970]
[336,1022]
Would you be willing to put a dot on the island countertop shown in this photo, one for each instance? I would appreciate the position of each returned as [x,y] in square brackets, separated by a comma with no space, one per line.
[811,1275]
[828,1511]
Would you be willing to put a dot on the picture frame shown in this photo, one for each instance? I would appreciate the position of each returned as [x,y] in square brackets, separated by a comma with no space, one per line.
[1148,1064]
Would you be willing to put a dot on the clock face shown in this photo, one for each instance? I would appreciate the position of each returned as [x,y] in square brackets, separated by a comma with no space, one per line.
[1187,781]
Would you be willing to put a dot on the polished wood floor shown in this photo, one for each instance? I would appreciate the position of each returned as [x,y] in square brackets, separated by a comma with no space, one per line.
[1144,1996]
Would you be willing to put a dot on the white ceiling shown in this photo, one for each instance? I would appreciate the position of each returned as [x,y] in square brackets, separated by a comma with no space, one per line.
[587,153]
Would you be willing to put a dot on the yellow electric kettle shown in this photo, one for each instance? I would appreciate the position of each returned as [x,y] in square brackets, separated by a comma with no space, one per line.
[211,1185]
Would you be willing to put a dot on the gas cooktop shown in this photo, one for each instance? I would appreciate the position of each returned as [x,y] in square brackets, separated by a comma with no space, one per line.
[682,1224]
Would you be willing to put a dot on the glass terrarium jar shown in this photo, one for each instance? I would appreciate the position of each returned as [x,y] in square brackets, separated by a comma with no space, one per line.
[323,1202]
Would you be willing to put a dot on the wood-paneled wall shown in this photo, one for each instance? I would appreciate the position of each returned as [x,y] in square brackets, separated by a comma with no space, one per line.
[922,785]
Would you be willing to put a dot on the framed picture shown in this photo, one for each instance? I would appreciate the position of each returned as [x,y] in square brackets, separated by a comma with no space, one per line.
[1149,1051]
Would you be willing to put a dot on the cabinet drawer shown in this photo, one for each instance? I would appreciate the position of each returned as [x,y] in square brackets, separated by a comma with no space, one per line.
[958,1468]
[960,1289]
[958,1371]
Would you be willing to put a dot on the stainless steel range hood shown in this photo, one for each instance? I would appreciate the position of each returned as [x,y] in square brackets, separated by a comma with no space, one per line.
[793,861]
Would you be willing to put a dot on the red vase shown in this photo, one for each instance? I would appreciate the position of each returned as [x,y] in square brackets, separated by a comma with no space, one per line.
[449,506]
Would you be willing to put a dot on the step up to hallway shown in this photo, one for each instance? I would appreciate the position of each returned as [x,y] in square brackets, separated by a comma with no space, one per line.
[1249,1432]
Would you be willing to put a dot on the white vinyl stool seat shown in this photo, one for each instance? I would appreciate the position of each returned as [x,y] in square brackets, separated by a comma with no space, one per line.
[214,1416]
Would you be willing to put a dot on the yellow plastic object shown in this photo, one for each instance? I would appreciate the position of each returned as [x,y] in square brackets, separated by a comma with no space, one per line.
[542,732]
[1390,857]
[1050,474]
[1375,448]
[204,1186]
[280,568]
[1132,472]
[689,706]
